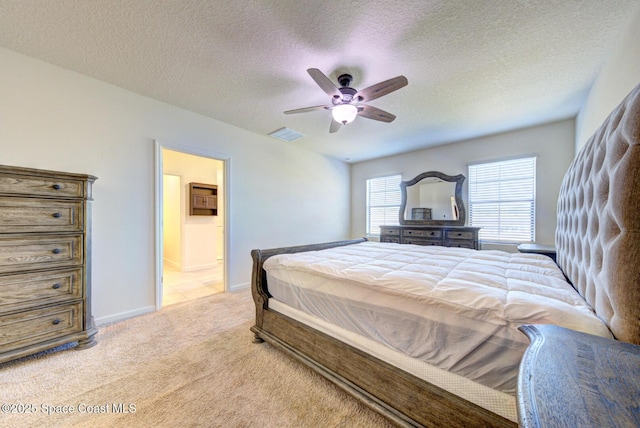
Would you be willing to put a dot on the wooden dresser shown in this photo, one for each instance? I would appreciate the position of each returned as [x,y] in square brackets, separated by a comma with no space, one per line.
[446,236]
[45,261]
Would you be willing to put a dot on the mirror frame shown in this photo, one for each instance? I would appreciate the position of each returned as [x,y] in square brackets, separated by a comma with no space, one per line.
[458,179]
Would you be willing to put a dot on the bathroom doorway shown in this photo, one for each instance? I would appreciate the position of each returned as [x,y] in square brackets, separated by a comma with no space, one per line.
[191,245]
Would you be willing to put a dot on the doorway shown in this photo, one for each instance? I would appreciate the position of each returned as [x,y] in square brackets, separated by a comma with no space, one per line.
[190,248]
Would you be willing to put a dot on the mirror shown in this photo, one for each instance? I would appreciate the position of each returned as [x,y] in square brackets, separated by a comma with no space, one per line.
[432,198]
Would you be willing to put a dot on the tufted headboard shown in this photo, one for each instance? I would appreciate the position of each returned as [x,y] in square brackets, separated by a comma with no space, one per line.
[598,232]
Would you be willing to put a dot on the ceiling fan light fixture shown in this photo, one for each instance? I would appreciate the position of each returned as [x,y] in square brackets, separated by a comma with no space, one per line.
[344,113]
[346,101]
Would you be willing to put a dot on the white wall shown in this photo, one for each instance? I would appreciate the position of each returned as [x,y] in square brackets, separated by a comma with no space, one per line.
[553,143]
[619,75]
[55,119]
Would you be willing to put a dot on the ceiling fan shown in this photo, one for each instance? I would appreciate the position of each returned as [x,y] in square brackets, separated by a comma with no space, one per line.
[347,102]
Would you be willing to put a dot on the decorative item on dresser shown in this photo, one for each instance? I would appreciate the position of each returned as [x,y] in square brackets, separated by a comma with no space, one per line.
[45,261]
[445,236]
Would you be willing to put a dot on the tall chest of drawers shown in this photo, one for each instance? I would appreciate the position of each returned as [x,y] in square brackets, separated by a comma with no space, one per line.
[45,261]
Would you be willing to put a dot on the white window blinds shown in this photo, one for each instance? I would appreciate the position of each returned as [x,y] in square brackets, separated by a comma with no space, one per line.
[383,202]
[502,200]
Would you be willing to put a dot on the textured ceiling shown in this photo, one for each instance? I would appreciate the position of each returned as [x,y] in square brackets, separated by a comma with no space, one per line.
[474,67]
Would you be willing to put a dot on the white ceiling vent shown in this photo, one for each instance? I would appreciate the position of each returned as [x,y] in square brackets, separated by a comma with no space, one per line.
[286,134]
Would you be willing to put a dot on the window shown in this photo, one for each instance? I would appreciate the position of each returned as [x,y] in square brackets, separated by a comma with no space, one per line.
[502,199]
[383,202]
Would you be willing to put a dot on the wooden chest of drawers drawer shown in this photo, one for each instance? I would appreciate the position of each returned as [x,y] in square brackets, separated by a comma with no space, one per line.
[40,215]
[34,289]
[41,186]
[39,325]
[40,252]
[431,234]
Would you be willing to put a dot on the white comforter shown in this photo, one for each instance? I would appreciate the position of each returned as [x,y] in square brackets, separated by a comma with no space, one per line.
[457,309]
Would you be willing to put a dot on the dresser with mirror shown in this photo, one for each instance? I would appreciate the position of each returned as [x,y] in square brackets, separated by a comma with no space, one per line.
[432,212]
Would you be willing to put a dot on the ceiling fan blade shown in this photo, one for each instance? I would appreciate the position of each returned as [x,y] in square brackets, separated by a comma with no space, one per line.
[335,126]
[382,88]
[306,109]
[375,113]
[323,81]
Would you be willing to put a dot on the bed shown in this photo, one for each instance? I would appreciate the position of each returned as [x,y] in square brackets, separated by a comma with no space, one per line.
[428,336]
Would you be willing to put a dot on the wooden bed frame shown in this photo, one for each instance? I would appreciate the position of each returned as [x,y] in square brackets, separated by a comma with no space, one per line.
[401,397]
[598,244]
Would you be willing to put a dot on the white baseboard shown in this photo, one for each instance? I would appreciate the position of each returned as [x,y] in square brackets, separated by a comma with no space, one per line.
[193,268]
[172,263]
[148,309]
[239,287]
[200,267]
[124,315]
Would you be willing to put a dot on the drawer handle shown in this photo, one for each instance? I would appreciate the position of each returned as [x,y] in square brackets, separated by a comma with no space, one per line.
[57,215]
[55,321]
[459,234]
[56,286]
[56,251]
[432,233]
[56,186]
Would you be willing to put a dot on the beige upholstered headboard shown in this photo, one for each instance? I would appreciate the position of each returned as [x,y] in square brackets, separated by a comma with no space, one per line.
[598,233]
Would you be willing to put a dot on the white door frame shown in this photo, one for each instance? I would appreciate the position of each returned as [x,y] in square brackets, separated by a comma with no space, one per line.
[158,146]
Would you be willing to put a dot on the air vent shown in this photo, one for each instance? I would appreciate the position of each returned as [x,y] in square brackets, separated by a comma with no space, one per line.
[286,134]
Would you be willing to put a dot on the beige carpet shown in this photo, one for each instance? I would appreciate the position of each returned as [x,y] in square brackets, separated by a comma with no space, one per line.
[190,365]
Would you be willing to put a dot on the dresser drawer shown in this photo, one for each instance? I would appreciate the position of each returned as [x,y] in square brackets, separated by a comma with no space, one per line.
[390,239]
[460,243]
[421,241]
[41,186]
[423,233]
[35,289]
[40,215]
[386,231]
[454,234]
[40,252]
[38,325]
